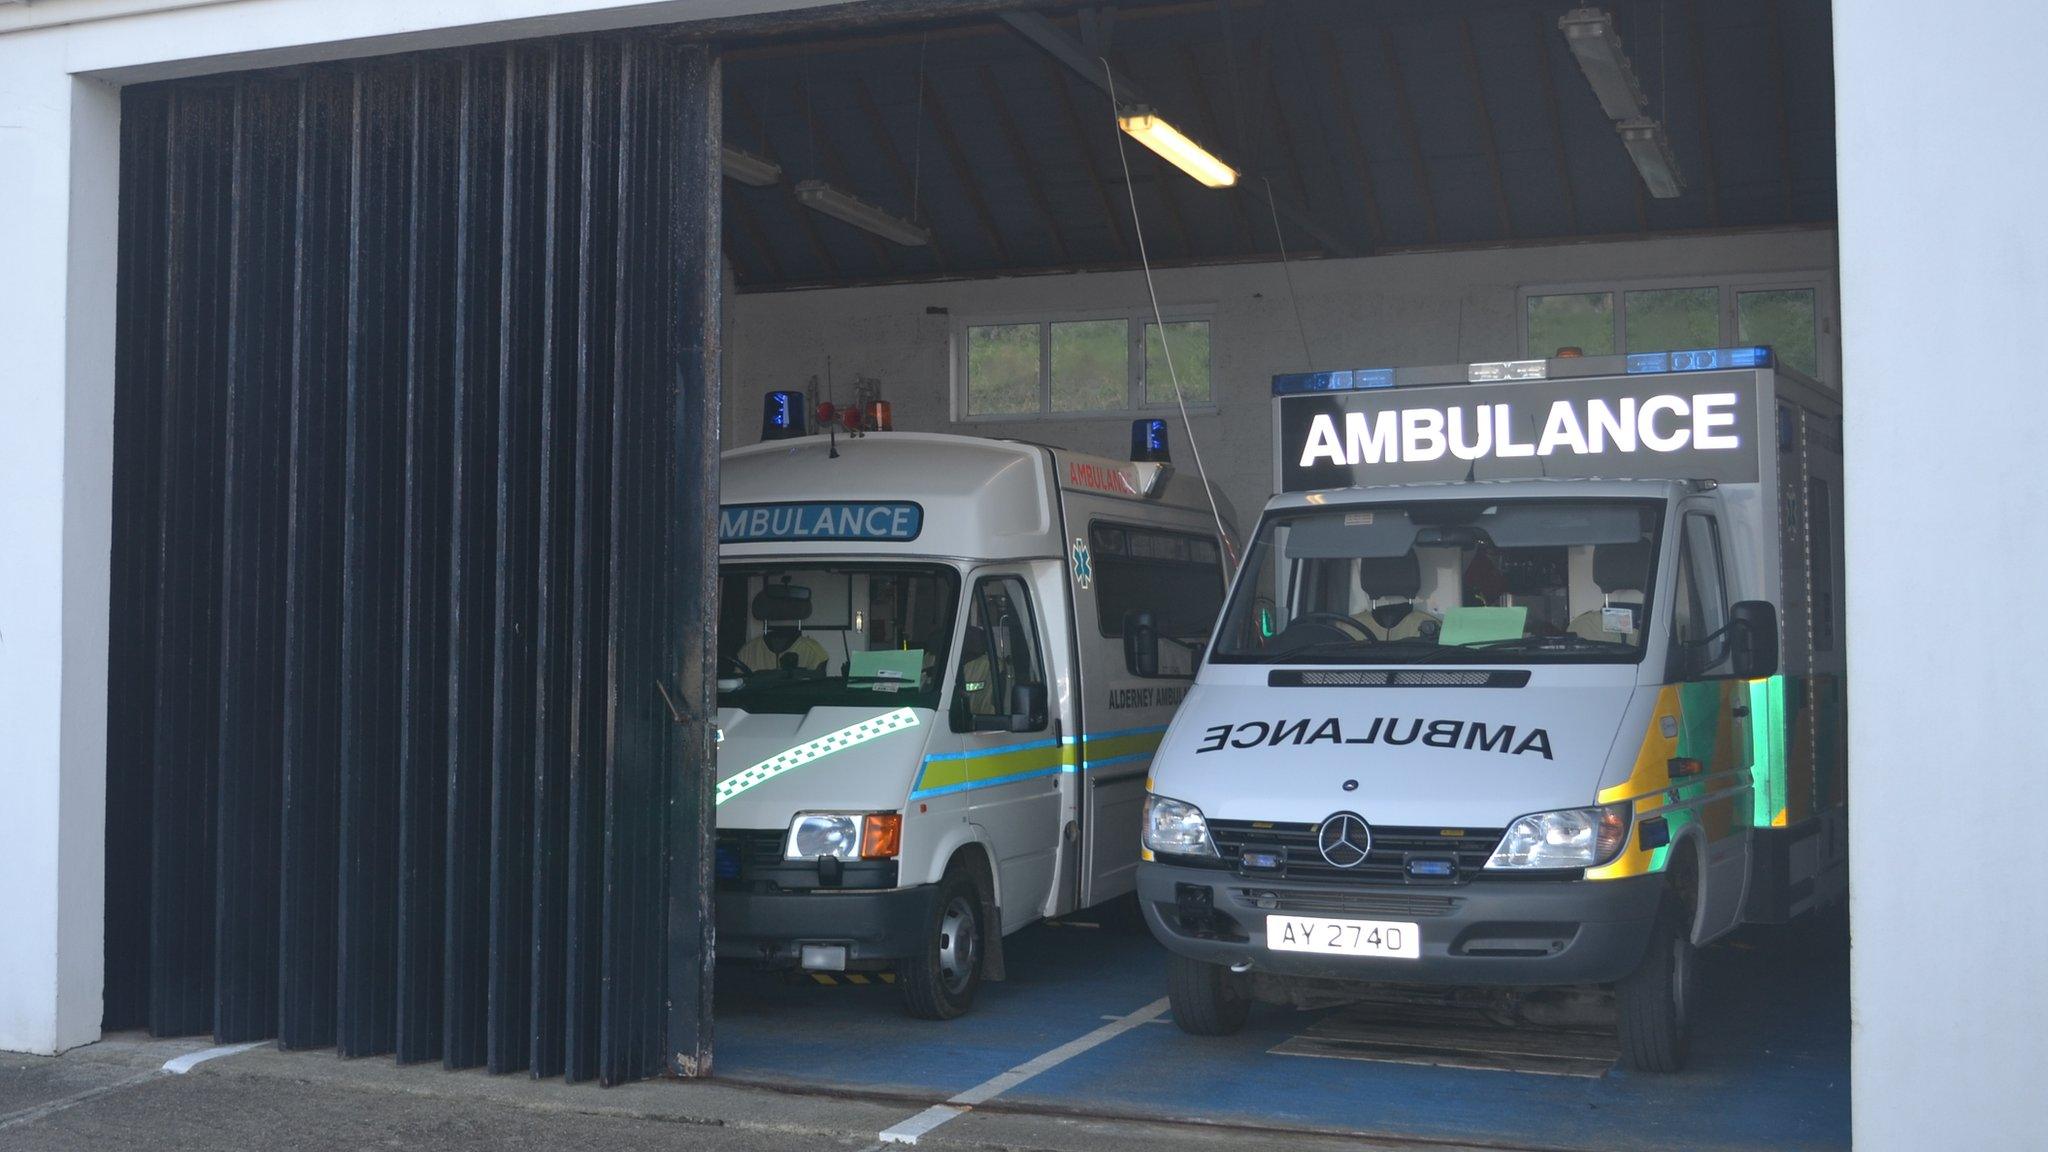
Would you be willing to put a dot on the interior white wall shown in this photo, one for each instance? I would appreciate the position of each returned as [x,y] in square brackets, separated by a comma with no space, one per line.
[1944,287]
[1426,308]
[59,147]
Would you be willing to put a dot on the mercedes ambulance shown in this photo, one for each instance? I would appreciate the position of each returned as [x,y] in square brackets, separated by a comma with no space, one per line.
[1532,675]
[928,735]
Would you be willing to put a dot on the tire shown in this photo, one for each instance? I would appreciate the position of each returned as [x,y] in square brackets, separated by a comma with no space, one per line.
[1207,999]
[940,980]
[1654,1003]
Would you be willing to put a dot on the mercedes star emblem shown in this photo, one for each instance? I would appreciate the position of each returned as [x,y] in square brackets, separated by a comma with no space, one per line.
[1344,840]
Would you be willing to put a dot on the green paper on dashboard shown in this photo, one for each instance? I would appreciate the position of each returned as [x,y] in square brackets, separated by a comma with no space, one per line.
[1482,625]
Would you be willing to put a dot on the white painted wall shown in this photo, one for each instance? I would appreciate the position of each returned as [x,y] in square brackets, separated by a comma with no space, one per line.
[59,133]
[1944,288]
[1436,308]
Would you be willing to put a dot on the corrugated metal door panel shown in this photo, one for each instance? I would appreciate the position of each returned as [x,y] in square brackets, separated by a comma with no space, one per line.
[417,458]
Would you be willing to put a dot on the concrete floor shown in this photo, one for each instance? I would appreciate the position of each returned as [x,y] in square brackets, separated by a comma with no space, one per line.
[806,1066]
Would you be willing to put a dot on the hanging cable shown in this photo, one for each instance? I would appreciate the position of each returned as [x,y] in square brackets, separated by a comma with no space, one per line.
[1287,270]
[1159,320]
[917,132]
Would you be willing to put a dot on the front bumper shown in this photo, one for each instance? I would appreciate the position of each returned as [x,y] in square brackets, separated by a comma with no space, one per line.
[874,925]
[1486,931]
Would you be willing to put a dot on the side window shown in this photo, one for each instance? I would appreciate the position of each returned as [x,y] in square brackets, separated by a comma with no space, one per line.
[1702,599]
[1000,648]
[1176,576]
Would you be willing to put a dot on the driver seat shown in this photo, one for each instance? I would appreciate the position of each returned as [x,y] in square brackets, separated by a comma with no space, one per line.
[782,643]
[1620,571]
[1398,579]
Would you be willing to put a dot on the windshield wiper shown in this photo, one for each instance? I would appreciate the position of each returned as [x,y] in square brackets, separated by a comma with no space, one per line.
[1562,642]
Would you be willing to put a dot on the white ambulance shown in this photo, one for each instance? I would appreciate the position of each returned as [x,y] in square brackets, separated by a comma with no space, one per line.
[928,734]
[1532,675]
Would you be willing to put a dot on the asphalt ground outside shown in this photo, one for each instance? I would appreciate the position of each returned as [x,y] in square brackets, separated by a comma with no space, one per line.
[802,1065]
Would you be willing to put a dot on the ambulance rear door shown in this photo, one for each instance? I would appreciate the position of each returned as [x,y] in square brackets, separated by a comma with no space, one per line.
[1127,552]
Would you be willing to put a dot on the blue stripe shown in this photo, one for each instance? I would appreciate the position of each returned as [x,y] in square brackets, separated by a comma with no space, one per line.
[1087,764]
[973,753]
[970,785]
[1121,732]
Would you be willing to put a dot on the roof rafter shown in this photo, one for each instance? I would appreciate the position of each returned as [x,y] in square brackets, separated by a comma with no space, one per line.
[1058,76]
[1007,124]
[1486,135]
[1409,135]
[1544,28]
[942,125]
[835,168]
[1358,154]
[887,148]
[796,208]
[1699,77]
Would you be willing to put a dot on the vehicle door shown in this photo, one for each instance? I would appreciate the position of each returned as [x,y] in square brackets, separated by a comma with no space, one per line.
[1711,783]
[1004,759]
[1175,576]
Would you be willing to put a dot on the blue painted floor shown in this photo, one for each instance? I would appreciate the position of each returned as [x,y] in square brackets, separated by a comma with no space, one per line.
[1769,1069]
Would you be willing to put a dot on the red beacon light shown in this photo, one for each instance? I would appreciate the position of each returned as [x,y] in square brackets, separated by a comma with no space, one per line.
[879,417]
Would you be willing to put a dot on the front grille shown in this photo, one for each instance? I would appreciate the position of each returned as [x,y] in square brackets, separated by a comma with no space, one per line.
[1398,905]
[1387,863]
[745,849]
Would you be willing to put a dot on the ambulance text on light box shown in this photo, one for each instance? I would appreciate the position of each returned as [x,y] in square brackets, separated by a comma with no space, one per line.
[1700,426]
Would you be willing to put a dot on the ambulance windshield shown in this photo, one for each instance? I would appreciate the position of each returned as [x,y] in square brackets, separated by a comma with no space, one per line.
[1447,581]
[806,634]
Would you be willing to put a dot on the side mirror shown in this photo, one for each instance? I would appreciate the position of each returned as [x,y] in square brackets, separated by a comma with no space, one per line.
[1141,643]
[1027,707]
[1753,638]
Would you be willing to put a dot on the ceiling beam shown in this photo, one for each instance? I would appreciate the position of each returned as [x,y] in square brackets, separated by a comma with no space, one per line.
[1027,170]
[1544,30]
[750,223]
[943,127]
[1058,77]
[1262,63]
[1349,111]
[1500,188]
[1409,135]
[904,176]
[803,216]
[1699,76]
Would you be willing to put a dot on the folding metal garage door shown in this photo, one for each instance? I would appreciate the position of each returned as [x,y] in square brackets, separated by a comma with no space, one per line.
[409,743]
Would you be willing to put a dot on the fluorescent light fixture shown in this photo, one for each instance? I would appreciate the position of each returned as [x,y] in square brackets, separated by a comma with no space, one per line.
[818,195]
[1651,150]
[1591,36]
[1148,128]
[747,168]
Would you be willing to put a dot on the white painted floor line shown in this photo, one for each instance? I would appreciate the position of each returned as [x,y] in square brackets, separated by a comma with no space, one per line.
[910,1130]
[179,1065]
[51,1107]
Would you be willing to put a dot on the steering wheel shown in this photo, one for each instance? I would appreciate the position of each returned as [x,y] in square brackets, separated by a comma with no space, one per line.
[1336,622]
[729,667]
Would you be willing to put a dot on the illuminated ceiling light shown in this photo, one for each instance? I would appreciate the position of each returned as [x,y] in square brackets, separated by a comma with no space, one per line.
[1148,128]
[747,168]
[818,195]
[1651,150]
[1590,34]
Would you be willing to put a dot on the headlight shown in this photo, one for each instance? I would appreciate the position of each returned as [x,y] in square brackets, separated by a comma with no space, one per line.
[846,835]
[1176,828]
[1572,838]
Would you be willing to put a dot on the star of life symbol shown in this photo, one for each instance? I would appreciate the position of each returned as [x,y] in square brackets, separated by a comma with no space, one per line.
[1344,840]
[1084,574]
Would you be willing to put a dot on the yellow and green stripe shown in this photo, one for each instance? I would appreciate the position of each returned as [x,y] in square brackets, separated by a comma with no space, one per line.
[943,773]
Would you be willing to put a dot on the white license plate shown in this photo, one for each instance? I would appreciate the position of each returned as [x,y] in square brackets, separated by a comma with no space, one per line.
[1344,937]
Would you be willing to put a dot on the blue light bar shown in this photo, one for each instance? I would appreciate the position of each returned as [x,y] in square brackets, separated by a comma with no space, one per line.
[1699,359]
[1346,380]
[782,415]
[1148,441]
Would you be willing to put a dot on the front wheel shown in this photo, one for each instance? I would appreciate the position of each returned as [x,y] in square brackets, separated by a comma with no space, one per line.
[1654,1003]
[1207,999]
[940,979]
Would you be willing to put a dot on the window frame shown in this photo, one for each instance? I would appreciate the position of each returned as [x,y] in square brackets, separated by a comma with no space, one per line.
[963,701]
[1112,629]
[1826,309]
[1134,321]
